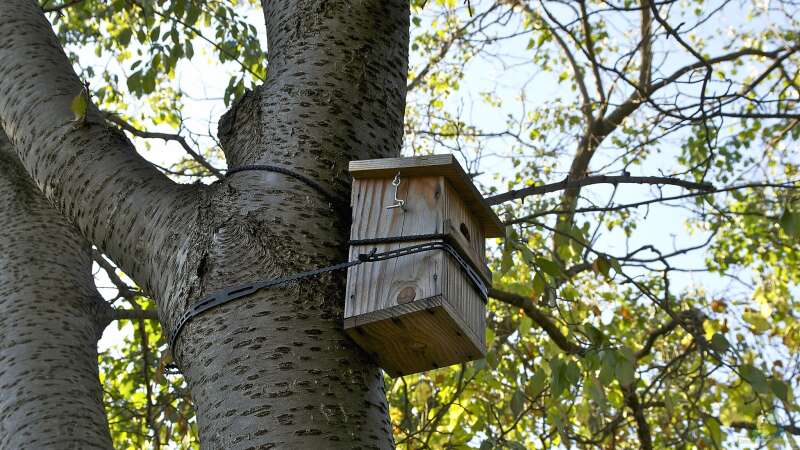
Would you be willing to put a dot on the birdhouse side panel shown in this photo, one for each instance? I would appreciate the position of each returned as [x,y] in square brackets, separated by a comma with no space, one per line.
[421,214]
[463,220]
[384,284]
[466,302]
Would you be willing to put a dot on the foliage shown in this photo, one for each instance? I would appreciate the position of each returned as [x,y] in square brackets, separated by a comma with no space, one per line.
[144,407]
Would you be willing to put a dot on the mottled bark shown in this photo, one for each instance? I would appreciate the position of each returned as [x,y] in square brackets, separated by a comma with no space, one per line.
[335,92]
[50,319]
[118,200]
[273,370]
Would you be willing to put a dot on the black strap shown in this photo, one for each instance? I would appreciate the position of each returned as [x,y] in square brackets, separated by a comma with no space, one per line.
[395,239]
[228,295]
[333,198]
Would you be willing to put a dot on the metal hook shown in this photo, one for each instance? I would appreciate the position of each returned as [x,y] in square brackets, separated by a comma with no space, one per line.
[398,203]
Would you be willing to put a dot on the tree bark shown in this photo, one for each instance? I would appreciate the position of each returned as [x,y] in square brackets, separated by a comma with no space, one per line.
[273,370]
[51,317]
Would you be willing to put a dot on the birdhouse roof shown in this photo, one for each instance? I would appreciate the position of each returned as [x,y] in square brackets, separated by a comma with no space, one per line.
[433,165]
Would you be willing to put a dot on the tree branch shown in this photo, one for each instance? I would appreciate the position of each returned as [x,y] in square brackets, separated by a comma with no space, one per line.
[586,107]
[167,137]
[750,426]
[61,7]
[792,184]
[438,57]
[597,179]
[742,425]
[123,289]
[600,129]
[89,170]
[539,317]
[653,337]
[642,427]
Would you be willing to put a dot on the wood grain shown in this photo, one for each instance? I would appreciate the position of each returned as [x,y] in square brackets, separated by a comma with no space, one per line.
[416,312]
[434,165]
[423,335]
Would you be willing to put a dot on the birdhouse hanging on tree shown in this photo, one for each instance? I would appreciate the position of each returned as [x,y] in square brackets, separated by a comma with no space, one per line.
[425,308]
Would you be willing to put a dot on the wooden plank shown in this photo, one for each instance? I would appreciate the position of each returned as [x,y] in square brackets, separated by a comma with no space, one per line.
[444,165]
[414,337]
[467,304]
[384,284]
[422,213]
[432,207]
[381,284]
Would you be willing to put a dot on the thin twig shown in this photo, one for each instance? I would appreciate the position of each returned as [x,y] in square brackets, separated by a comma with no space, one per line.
[167,137]
[61,7]
[540,318]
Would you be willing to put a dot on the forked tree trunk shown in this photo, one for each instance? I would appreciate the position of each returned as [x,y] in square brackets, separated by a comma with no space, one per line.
[50,320]
[273,370]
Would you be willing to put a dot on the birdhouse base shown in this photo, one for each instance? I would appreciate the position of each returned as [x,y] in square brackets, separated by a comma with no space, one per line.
[414,337]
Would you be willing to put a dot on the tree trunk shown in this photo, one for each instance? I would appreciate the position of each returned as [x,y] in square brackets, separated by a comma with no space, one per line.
[50,319]
[272,370]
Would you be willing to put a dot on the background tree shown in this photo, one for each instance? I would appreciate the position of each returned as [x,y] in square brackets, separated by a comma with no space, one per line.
[52,317]
[604,331]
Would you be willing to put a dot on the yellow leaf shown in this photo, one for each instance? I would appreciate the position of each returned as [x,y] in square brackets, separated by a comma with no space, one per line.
[79,106]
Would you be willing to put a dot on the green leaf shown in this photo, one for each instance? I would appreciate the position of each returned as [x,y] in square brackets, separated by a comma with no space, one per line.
[507,260]
[538,382]
[539,285]
[595,336]
[625,370]
[572,373]
[758,322]
[755,377]
[527,254]
[615,265]
[779,388]
[719,343]
[601,266]
[790,223]
[714,432]
[525,325]
[558,380]
[549,267]
[124,37]
[596,392]
[607,364]
[134,82]
[517,402]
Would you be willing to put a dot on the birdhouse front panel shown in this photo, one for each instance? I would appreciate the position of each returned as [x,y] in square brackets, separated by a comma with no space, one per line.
[419,311]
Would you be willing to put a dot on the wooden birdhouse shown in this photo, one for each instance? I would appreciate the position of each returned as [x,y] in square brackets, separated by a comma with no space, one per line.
[425,308]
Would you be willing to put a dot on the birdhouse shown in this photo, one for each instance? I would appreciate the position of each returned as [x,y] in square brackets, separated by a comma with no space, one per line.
[424,306]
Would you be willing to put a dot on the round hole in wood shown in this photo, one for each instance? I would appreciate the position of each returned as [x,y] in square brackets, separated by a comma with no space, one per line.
[406,295]
[464,230]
